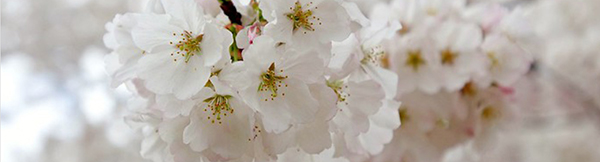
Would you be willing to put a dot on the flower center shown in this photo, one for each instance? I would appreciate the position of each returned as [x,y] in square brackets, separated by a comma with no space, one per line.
[493,59]
[415,60]
[188,46]
[301,18]
[218,105]
[469,89]
[339,89]
[270,81]
[403,112]
[490,113]
[372,55]
[448,57]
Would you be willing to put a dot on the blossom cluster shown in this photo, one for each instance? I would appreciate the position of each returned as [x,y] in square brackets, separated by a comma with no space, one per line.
[314,80]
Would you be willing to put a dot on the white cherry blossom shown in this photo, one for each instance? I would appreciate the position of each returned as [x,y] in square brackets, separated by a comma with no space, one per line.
[506,61]
[180,48]
[220,122]
[416,62]
[306,24]
[275,83]
[125,54]
[458,46]
[322,80]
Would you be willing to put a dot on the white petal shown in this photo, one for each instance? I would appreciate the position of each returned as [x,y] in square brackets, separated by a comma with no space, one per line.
[307,67]
[171,130]
[387,79]
[388,116]
[374,139]
[185,11]
[335,22]
[191,79]
[365,97]
[315,138]
[262,53]
[280,30]
[153,30]
[300,103]
[241,39]
[195,134]
[212,44]
[355,14]
[351,123]
[172,107]
[342,51]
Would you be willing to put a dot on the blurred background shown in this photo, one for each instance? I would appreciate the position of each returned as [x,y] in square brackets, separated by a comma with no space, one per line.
[56,103]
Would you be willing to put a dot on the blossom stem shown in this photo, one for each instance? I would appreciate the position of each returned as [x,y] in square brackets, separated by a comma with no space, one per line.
[234,51]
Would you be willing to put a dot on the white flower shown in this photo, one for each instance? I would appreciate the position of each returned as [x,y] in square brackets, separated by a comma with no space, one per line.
[275,83]
[457,45]
[363,60]
[370,142]
[312,137]
[144,118]
[179,49]
[416,62]
[356,101]
[305,23]
[122,61]
[492,109]
[412,14]
[361,53]
[429,124]
[487,15]
[365,121]
[506,61]
[219,122]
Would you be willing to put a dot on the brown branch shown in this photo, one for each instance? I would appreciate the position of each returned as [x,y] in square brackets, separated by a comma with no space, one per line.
[231,12]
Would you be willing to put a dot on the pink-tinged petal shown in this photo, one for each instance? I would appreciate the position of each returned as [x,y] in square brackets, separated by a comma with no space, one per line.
[242,39]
